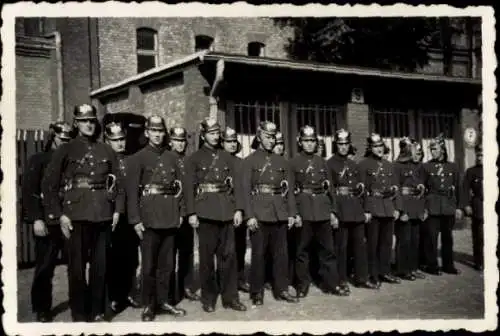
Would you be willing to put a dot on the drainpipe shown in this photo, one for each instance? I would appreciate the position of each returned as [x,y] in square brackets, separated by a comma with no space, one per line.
[60,84]
[212,99]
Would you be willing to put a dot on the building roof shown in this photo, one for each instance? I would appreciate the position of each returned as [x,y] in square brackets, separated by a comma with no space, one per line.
[206,56]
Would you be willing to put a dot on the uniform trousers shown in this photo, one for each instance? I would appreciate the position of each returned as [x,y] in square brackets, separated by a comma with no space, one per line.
[478,240]
[157,248]
[216,239]
[379,245]
[433,226]
[184,259]
[407,245]
[351,234]
[292,241]
[123,261]
[421,245]
[272,236]
[240,240]
[47,249]
[88,242]
[320,232]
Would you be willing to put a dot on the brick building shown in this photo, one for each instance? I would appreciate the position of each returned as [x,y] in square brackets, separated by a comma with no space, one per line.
[237,69]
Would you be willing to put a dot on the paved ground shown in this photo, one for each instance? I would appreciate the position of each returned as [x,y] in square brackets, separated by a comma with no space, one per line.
[444,297]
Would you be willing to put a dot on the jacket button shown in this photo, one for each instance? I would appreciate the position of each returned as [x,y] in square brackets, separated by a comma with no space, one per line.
[92,173]
[51,216]
[68,202]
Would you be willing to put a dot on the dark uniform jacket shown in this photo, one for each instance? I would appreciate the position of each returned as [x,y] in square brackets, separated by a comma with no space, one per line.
[442,183]
[121,195]
[238,167]
[181,165]
[152,169]
[211,167]
[81,159]
[32,188]
[263,168]
[313,181]
[345,174]
[472,191]
[379,178]
[410,176]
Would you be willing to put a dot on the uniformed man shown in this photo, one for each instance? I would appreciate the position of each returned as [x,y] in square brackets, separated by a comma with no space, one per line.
[124,242]
[154,190]
[349,189]
[411,179]
[48,236]
[270,208]
[382,204]
[184,241]
[212,194]
[442,201]
[87,210]
[317,207]
[231,145]
[472,203]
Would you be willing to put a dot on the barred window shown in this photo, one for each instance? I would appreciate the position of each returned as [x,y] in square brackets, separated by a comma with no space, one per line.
[203,42]
[34,26]
[147,49]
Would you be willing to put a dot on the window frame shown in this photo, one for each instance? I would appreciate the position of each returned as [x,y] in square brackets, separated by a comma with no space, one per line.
[262,48]
[147,52]
[205,38]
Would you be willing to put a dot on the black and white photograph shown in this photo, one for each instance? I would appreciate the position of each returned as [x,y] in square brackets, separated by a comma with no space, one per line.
[235,168]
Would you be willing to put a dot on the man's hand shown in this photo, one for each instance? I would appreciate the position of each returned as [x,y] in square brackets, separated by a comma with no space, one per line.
[404,217]
[334,221]
[139,229]
[468,210]
[459,214]
[193,221]
[368,217]
[291,222]
[298,221]
[237,218]
[252,224]
[425,215]
[66,226]
[116,218]
[181,220]
[396,214]
[39,228]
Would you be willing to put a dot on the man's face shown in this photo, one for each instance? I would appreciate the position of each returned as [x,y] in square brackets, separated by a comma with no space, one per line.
[86,127]
[230,146]
[155,136]
[308,146]
[436,152]
[267,141]
[479,158]
[118,145]
[279,148]
[212,138]
[343,149]
[416,154]
[378,150]
[178,146]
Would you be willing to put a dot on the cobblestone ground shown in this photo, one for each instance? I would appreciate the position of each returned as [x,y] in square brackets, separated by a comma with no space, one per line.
[437,297]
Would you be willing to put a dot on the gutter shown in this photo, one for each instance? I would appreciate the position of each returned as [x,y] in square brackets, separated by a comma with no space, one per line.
[60,83]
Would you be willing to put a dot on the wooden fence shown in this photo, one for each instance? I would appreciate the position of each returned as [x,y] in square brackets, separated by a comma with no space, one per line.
[28,143]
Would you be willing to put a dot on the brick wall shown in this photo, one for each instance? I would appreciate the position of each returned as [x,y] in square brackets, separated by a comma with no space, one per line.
[176,39]
[357,121]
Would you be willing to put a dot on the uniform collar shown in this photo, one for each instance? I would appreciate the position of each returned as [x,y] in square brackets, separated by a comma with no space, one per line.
[208,149]
[179,155]
[154,149]
[84,139]
[304,154]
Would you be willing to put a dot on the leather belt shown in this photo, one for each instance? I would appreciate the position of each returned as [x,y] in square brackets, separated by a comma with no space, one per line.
[410,191]
[85,183]
[267,189]
[316,190]
[212,188]
[159,189]
[380,193]
[346,191]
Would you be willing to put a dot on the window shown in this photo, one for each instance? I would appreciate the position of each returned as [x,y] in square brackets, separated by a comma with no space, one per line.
[147,49]
[34,26]
[256,49]
[203,42]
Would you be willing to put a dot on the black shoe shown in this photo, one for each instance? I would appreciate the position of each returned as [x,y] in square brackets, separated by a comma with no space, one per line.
[302,292]
[148,314]
[235,305]
[43,317]
[365,284]
[98,318]
[345,287]
[171,310]
[244,287]
[375,282]
[408,277]
[191,296]
[207,308]
[338,291]
[451,270]
[390,279]
[433,270]
[418,275]
[257,299]
[133,302]
[285,296]
[267,286]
